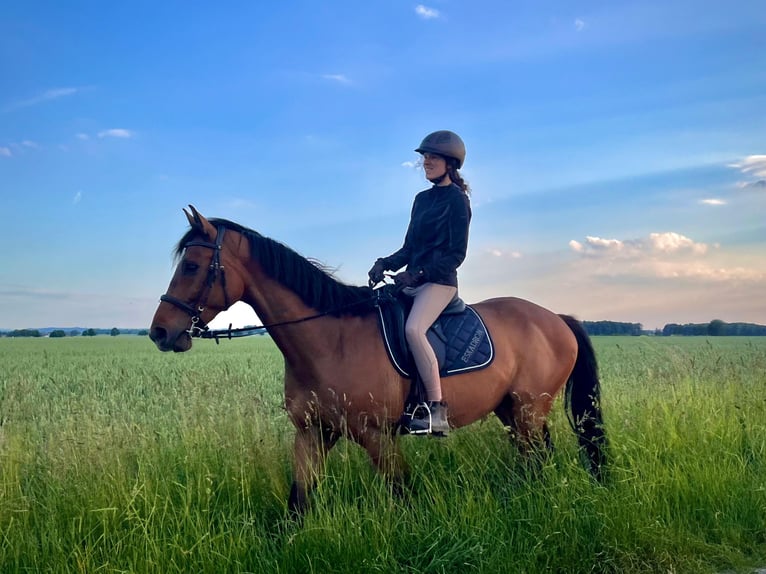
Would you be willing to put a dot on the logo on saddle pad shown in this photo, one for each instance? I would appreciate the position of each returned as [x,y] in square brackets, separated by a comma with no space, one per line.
[459,337]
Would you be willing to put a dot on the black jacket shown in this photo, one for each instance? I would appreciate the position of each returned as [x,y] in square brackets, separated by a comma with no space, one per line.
[437,237]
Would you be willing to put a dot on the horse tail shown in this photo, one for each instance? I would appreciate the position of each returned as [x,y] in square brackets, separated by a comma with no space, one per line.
[583,402]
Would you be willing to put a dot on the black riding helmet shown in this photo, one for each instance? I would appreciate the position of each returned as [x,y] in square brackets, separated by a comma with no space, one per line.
[444,143]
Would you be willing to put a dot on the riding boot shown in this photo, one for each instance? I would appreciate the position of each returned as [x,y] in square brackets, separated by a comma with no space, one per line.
[439,424]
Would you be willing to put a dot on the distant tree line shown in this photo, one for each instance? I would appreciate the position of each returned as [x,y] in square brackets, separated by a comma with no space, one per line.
[612,328]
[58,333]
[716,328]
[24,333]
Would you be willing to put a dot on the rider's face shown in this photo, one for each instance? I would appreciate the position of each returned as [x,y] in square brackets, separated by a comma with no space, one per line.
[434,165]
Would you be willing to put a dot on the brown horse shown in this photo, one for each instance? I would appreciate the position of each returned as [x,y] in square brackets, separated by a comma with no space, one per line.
[338,378]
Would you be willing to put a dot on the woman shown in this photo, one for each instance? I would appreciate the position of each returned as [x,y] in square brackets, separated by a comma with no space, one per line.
[434,247]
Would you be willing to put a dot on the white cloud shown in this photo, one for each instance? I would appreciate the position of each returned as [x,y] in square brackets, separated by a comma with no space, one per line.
[657,243]
[649,287]
[116,133]
[703,271]
[77,197]
[670,242]
[752,165]
[712,201]
[426,13]
[755,167]
[666,255]
[605,244]
[760,183]
[15,148]
[597,246]
[5,152]
[58,93]
[338,78]
[82,136]
[48,95]
[579,24]
[410,164]
[500,253]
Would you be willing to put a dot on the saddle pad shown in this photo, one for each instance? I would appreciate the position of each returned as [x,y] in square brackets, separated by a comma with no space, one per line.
[461,342]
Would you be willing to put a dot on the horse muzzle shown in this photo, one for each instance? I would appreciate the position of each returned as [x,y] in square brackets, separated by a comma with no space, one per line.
[178,341]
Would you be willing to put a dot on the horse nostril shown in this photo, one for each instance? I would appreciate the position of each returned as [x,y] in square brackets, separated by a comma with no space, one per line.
[158,335]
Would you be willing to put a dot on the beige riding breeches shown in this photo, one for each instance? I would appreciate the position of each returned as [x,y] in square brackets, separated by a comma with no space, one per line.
[430,299]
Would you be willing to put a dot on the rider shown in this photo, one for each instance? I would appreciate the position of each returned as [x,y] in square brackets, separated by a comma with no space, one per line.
[434,247]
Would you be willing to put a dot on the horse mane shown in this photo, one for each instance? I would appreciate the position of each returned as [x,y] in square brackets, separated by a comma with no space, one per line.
[312,281]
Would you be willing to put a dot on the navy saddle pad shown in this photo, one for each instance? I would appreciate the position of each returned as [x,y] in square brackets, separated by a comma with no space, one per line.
[459,337]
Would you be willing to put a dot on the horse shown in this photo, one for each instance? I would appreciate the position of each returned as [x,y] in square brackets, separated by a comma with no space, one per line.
[339,381]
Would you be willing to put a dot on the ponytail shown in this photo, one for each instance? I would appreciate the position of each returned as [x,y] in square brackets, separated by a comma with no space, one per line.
[456,178]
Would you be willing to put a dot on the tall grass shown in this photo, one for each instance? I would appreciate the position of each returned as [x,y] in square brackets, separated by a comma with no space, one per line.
[116,458]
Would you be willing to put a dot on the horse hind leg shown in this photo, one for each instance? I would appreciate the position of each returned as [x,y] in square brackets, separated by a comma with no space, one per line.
[527,426]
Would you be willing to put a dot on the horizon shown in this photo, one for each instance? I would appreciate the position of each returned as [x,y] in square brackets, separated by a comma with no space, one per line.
[616,151]
[220,325]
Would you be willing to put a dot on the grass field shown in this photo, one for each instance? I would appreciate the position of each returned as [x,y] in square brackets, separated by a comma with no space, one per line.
[117,458]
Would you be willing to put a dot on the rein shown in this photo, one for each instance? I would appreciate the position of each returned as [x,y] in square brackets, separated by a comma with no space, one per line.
[230,333]
[199,329]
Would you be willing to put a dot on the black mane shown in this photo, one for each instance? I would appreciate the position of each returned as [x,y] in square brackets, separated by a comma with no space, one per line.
[310,280]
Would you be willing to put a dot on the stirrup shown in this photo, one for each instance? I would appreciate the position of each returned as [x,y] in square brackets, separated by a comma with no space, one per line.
[416,421]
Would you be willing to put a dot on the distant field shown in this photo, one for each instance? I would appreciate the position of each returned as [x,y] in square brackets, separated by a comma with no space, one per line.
[117,458]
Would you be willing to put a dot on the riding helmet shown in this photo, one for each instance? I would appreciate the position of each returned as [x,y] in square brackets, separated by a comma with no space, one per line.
[444,143]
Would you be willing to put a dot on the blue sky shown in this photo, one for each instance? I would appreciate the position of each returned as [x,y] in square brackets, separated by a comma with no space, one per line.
[616,150]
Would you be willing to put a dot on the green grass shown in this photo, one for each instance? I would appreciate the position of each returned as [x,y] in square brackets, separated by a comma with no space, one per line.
[117,458]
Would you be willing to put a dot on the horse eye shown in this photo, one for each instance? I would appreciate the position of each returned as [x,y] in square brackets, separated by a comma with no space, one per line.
[189,268]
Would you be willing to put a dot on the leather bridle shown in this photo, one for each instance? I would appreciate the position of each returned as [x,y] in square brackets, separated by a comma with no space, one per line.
[199,328]
[215,269]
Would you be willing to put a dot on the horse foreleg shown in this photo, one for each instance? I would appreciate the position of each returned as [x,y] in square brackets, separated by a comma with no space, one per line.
[309,452]
[387,457]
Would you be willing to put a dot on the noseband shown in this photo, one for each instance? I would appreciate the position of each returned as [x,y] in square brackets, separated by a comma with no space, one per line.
[198,327]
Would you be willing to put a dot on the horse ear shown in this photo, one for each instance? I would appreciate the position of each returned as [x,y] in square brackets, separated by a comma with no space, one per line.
[197,221]
[190,217]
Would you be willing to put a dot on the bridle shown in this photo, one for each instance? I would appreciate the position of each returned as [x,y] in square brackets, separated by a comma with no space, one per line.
[197,326]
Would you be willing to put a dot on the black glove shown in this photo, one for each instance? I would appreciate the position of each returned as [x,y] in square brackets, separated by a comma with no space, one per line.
[406,279]
[376,273]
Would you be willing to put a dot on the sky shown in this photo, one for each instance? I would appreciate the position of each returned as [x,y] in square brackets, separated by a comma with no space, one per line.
[616,151]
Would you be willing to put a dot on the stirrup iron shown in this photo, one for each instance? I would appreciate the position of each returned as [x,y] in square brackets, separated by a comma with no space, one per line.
[417,420]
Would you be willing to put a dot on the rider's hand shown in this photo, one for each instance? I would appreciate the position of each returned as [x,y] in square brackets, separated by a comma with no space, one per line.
[376,273]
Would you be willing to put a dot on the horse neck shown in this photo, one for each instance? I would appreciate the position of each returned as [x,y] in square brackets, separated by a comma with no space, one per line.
[277,303]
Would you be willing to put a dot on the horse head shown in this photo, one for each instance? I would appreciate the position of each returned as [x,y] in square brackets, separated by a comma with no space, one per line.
[200,287]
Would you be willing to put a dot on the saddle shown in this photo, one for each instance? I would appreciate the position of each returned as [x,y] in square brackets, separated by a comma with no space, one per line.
[459,337]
